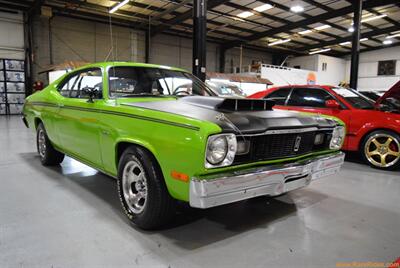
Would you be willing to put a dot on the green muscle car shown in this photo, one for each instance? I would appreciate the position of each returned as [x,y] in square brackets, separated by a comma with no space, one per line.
[165,136]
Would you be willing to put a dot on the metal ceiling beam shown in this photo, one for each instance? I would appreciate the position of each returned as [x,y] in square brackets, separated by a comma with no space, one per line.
[13,6]
[348,38]
[184,16]
[303,23]
[304,15]
[329,9]
[171,9]
[343,54]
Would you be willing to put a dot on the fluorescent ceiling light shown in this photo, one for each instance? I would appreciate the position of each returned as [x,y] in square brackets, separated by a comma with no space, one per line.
[351,29]
[305,32]
[387,42]
[245,14]
[374,18]
[118,6]
[263,7]
[319,51]
[279,42]
[323,27]
[349,43]
[392,36]
[371,18]
[297,9]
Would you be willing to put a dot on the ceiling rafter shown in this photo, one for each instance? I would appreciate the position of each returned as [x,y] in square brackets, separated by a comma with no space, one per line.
[184,16]
[368,34]
[305,22]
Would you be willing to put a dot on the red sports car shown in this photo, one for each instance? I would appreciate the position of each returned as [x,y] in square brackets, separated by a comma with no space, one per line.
[373,127]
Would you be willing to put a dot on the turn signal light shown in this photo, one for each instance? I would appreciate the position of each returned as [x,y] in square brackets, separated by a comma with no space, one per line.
[179,176]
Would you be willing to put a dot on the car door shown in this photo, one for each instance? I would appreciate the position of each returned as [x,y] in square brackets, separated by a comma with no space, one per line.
[78,124]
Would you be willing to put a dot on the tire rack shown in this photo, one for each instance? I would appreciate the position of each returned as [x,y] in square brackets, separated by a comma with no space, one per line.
[12,87]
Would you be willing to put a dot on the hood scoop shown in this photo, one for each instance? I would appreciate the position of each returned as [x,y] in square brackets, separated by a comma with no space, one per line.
[229,104]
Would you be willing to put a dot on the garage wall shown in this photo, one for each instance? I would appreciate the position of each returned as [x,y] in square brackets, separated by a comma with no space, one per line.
[12,36]
[332,75]
[232,58]
[304,62]
[368,78]
[78,40]
[81,40]
[177,51]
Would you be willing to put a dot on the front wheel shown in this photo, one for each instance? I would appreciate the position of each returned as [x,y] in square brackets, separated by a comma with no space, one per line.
[48,155]
[381,149]
[142,190]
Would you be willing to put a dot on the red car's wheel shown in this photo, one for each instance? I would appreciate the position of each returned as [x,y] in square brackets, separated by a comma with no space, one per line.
[381,149]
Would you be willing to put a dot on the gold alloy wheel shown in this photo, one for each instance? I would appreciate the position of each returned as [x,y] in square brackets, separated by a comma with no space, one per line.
[382,150]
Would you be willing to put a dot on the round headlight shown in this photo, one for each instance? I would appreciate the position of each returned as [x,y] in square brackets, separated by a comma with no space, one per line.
[338,136]
[220,150]
[217,149]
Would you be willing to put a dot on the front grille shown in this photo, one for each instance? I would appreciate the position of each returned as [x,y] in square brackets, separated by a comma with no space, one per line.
[281,145]
[277,146]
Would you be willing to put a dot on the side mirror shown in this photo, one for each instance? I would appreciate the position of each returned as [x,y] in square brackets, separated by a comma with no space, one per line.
[91,92]
[333,104]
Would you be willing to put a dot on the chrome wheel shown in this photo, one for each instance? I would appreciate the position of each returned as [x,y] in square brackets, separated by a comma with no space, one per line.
[42,143]
[382,150]
[134,186]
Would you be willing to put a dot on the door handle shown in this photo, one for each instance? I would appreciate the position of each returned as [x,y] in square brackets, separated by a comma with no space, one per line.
[105,132]
[60,105]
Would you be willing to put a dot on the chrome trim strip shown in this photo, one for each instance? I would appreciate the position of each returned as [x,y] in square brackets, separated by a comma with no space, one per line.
[218,189]
[282,131]
[286,131]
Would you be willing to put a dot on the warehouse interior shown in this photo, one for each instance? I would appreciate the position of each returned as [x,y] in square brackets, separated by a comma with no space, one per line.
[70,215]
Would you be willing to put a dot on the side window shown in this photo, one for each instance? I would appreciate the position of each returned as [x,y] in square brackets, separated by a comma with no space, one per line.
[279,96]
[75,85]
[309,97]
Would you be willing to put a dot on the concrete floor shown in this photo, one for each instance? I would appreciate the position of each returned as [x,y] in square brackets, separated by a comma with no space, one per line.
[70,217]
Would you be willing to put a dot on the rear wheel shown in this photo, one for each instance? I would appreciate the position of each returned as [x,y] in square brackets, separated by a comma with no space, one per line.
[142,190]
[381,149]
[48,155]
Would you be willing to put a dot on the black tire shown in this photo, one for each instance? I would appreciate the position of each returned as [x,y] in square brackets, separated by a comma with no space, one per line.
[158,207]
[375,159]
[48,155]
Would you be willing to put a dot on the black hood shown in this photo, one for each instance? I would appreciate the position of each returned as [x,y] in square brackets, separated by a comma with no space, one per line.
[236,115]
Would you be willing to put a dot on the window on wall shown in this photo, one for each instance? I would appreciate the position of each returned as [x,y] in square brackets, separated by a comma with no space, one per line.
[387,67]
[324,66]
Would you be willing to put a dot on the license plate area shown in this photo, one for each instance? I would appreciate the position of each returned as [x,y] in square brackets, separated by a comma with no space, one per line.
[296,182]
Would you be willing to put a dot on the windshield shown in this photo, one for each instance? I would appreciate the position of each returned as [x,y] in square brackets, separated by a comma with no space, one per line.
[225,89]
[354,98]
[126,81]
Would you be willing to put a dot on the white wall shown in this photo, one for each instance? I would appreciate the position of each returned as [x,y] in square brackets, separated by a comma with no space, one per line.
[368,78]
[335,72]
[333,75]
[305,62]
[12,36]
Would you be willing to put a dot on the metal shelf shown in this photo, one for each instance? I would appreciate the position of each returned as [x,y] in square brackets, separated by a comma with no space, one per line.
[4,70]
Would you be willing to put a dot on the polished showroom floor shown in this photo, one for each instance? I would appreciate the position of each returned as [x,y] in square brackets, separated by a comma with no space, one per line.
[69,216]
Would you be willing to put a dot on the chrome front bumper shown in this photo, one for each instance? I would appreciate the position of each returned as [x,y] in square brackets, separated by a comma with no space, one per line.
[272,180]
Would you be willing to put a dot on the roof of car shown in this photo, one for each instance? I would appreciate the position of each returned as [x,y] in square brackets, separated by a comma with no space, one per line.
[306,86]
[132,64]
